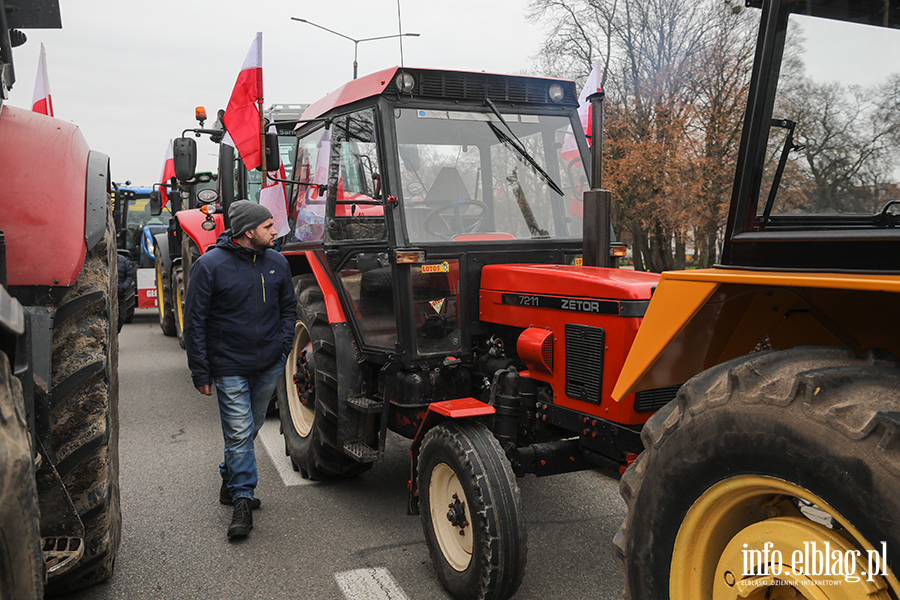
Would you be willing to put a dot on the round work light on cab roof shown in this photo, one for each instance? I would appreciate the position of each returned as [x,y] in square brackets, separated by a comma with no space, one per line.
[404,82]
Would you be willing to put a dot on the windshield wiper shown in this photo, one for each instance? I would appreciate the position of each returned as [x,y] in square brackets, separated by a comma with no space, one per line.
[519,148]
[789,146]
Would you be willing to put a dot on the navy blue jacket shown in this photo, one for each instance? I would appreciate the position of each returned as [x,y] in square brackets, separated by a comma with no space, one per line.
[126,274]
[240,311]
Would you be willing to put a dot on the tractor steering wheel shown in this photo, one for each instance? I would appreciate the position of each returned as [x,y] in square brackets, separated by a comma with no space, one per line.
[456,223]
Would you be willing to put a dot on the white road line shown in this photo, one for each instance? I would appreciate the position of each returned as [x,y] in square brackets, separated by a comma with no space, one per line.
[274,443]
[369,584]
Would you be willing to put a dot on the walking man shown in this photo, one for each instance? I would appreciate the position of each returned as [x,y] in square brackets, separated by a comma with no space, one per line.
[239,329]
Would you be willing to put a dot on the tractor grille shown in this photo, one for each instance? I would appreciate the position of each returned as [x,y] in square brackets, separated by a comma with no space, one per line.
[478,86]
[584,362]
[649,400]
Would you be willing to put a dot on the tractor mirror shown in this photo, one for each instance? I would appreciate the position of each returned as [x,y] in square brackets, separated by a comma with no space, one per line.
[155,203]
[273,156]
[184,151]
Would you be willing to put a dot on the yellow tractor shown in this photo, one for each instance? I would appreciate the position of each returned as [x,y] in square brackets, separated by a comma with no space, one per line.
[775,472]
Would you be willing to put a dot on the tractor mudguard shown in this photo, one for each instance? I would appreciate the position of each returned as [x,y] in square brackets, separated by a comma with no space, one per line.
[65,203]
[438,412]
[332,300]
[191,223]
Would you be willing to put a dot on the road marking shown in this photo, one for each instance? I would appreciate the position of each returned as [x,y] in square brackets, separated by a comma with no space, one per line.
[274,443]
[369,584]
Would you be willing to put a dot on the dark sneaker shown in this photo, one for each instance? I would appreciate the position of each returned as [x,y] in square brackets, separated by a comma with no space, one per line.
[242,520]
[225,497]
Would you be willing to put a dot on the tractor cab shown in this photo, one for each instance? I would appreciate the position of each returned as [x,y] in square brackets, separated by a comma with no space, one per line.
[412,180]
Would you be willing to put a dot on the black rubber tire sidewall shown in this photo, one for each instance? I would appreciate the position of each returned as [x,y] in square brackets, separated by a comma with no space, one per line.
[694,447]
[21,561]
[316,455]
[499,546]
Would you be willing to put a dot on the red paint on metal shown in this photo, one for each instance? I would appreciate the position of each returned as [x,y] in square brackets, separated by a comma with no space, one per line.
[191,222]
[332,300]
[577,282]
[461,408]
[358,89]
[43,170]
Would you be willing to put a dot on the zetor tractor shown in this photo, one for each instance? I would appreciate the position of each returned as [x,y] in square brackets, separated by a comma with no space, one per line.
[60,520]
[776,474]
[436,247]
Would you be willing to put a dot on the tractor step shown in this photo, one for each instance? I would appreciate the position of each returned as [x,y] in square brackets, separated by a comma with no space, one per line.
[365,405]
[361,452]
[61,553]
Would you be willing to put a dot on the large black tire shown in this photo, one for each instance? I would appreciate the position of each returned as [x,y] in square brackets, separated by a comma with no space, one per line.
[164,296]
[21,562]
[84,415]
[463,469]
[307,405]
[178,291]
[738,457]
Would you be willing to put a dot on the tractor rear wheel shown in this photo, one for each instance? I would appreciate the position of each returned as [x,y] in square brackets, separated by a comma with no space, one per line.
[758,461]
[178,292]
[307,394]
[21,562]
[164,296]
[471,513]
[84,412]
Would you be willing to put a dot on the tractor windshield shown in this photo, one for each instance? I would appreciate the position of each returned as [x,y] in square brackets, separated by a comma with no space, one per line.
[831,160]
[470,176]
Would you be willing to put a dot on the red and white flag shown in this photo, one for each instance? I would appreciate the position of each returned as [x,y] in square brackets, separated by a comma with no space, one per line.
[591,86]
[41,101]
[273,197]
[168,172]
[242,113]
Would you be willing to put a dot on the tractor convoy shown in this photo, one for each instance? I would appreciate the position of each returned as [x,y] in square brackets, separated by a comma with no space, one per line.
[60,521]
[458,286]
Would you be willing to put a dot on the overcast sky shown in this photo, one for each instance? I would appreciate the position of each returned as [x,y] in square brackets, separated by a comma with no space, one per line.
[130,73]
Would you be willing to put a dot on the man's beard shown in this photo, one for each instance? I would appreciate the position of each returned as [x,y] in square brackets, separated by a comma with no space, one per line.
[258,242]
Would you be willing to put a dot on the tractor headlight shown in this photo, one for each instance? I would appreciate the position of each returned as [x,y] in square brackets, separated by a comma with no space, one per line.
[557,93]
[149,247]
[405,82]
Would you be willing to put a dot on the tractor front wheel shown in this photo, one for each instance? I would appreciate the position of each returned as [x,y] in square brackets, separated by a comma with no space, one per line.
[770,476]
[471,512]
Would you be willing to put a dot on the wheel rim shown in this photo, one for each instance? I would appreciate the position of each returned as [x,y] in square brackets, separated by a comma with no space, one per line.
[447,499]
[178,306]
[302,415]
[733,519]
[159,290]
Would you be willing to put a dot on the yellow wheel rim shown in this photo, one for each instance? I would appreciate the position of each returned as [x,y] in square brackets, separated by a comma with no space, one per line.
[445,492]
[179,310]
[755,537]
[301,415]
[159,288]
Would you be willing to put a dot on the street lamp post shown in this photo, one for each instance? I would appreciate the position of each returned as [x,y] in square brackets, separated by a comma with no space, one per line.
[354,40]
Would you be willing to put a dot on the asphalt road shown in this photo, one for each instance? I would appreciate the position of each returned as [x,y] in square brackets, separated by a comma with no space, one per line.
[341,540]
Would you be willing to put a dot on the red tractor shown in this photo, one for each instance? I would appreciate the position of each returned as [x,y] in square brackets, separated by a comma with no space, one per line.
[60,521]
[437,252]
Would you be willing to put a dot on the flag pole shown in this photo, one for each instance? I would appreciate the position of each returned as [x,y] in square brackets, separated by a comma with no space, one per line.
[262,138]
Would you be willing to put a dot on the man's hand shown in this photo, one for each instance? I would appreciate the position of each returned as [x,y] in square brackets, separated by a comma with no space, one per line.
[206,390]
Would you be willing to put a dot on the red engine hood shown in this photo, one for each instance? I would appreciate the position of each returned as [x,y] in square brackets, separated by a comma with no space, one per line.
[569,280]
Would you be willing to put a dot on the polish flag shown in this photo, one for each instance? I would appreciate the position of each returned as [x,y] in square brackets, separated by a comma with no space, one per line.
[242,113]
[41,101]
[591,86]
[273,197]
[168,172]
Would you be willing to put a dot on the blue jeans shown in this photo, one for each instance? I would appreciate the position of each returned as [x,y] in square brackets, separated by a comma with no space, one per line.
[243,402]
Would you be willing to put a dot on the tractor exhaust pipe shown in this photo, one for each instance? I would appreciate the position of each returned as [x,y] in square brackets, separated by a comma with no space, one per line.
[596,241]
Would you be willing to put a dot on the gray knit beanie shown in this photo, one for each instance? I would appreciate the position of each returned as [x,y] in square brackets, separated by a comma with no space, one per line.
[246,215]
